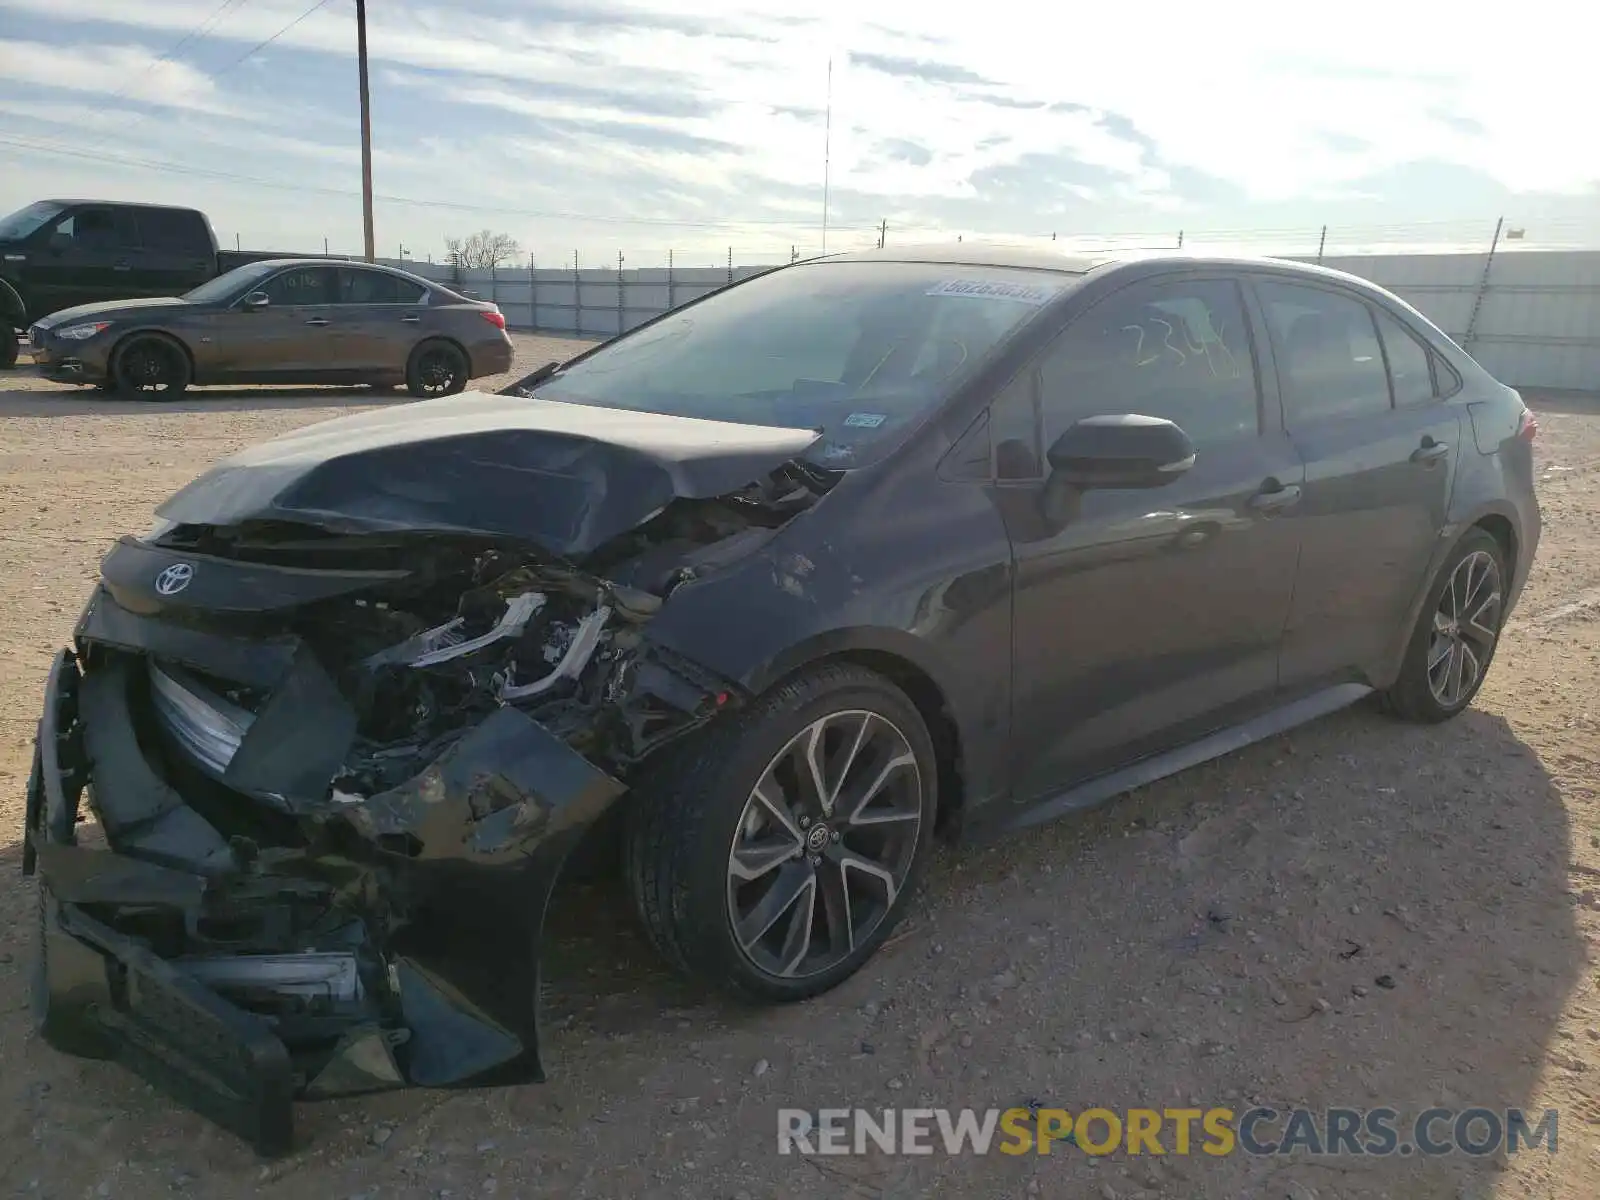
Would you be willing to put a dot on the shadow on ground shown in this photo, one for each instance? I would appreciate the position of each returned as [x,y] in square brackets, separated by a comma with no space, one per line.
[1222,938]
[38,403]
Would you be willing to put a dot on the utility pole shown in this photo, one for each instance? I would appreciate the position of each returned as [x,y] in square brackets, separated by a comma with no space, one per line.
[883,232]
[366,131]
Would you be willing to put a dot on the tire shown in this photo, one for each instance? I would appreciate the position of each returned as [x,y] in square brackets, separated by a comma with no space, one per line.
[8,345]
[701,852]
[1456,634]
[150,367]
[436,368]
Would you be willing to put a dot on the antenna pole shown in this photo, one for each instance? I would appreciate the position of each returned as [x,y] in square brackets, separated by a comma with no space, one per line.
[827,155]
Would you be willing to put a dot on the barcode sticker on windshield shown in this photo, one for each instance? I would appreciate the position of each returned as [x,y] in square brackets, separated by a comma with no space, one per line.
[994,289]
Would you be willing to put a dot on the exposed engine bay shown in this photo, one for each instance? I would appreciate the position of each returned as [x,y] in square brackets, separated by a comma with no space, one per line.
[319,757]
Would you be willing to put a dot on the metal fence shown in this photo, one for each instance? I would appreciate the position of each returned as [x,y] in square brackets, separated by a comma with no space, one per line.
[1531,317]
[586,302]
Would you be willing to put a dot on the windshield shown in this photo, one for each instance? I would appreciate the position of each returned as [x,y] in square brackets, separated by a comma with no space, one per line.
[25,220]
[236,280]
[859,350]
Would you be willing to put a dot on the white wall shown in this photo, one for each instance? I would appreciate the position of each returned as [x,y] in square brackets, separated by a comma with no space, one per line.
[1537,323]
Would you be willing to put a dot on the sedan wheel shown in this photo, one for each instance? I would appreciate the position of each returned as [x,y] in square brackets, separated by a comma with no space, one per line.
[1456,635]
[151,368]
[436,369]
[1466,625]
[825,844]
[772,853]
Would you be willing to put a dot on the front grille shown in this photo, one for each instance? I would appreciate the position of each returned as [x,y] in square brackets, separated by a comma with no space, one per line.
[207,727]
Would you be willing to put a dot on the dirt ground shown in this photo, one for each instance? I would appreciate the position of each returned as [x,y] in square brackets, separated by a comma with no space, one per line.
[1216,939]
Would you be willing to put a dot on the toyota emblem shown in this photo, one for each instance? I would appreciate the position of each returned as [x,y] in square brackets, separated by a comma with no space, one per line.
[174,579]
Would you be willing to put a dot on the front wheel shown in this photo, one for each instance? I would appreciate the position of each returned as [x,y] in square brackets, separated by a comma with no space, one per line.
[1456,634]
[151,368]
[774,854]
[436,369]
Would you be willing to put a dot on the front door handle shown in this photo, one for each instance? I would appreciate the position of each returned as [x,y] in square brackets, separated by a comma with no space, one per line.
[122,266]
[1274,496]
[411,319]
[1430,450]
[317,321]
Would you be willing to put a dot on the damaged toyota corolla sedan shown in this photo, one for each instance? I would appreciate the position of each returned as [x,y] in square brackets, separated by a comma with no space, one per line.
[768,590]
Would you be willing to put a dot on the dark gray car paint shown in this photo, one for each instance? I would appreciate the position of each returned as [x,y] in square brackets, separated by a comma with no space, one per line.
[566,477]
[924,568]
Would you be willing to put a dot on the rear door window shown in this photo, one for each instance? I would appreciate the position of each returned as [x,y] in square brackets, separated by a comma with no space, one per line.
[1330,363]
[174,231]
[377,287]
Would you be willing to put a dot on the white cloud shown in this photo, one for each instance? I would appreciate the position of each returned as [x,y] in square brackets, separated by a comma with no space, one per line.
[705,108]
[128,72]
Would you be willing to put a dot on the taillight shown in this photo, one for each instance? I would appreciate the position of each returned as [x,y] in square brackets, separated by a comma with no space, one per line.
[1527,427]
[494,316]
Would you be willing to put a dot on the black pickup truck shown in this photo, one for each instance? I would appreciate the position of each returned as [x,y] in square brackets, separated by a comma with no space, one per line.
[55,254]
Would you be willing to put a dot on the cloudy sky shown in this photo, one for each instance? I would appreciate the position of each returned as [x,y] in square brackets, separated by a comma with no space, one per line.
[641,125]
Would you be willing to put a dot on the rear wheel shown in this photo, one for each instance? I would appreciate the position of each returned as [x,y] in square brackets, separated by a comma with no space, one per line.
[777,852]
[8,345]
[150,368]
[436,369]
[1456,634]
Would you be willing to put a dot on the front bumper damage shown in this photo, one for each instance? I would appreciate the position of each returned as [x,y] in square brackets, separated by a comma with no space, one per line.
[239,974]
[341,719]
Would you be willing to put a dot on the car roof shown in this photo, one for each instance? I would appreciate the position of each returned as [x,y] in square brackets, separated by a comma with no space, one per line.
[984,254]
[317,261]
[977,254]
[118,204]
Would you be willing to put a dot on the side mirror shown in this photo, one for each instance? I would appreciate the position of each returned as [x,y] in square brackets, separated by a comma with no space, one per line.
[1123,451]
[256,300]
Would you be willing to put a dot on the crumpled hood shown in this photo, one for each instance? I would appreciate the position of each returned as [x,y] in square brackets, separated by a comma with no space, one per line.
[567,477]
[111,310]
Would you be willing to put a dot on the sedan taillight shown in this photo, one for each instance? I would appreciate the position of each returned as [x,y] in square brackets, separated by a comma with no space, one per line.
[1527,427]
[494,316]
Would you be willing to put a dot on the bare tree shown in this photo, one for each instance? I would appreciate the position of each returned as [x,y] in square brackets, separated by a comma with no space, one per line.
[482,249]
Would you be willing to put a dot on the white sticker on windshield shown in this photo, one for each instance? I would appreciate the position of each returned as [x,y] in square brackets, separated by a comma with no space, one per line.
[995,289]
[864,420]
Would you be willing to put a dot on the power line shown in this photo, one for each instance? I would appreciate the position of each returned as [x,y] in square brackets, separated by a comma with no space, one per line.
[199,31]
[457,206]
[267,41]
[219,73]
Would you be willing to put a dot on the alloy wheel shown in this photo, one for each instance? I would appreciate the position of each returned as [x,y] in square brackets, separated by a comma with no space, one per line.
[1466,625]
[824,844]
[147,367]
[437,371]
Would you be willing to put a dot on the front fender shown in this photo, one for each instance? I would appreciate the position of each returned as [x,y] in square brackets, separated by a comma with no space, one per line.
[943,612]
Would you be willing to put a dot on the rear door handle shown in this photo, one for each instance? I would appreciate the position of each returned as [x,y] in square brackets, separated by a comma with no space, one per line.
[122,266]
[1430,450]
[411,318]
[1273,499]
[317,321]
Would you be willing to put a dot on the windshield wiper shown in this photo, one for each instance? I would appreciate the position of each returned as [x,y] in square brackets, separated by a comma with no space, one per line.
[524,386]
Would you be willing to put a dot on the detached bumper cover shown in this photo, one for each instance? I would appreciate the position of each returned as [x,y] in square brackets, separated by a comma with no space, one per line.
[480,835]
